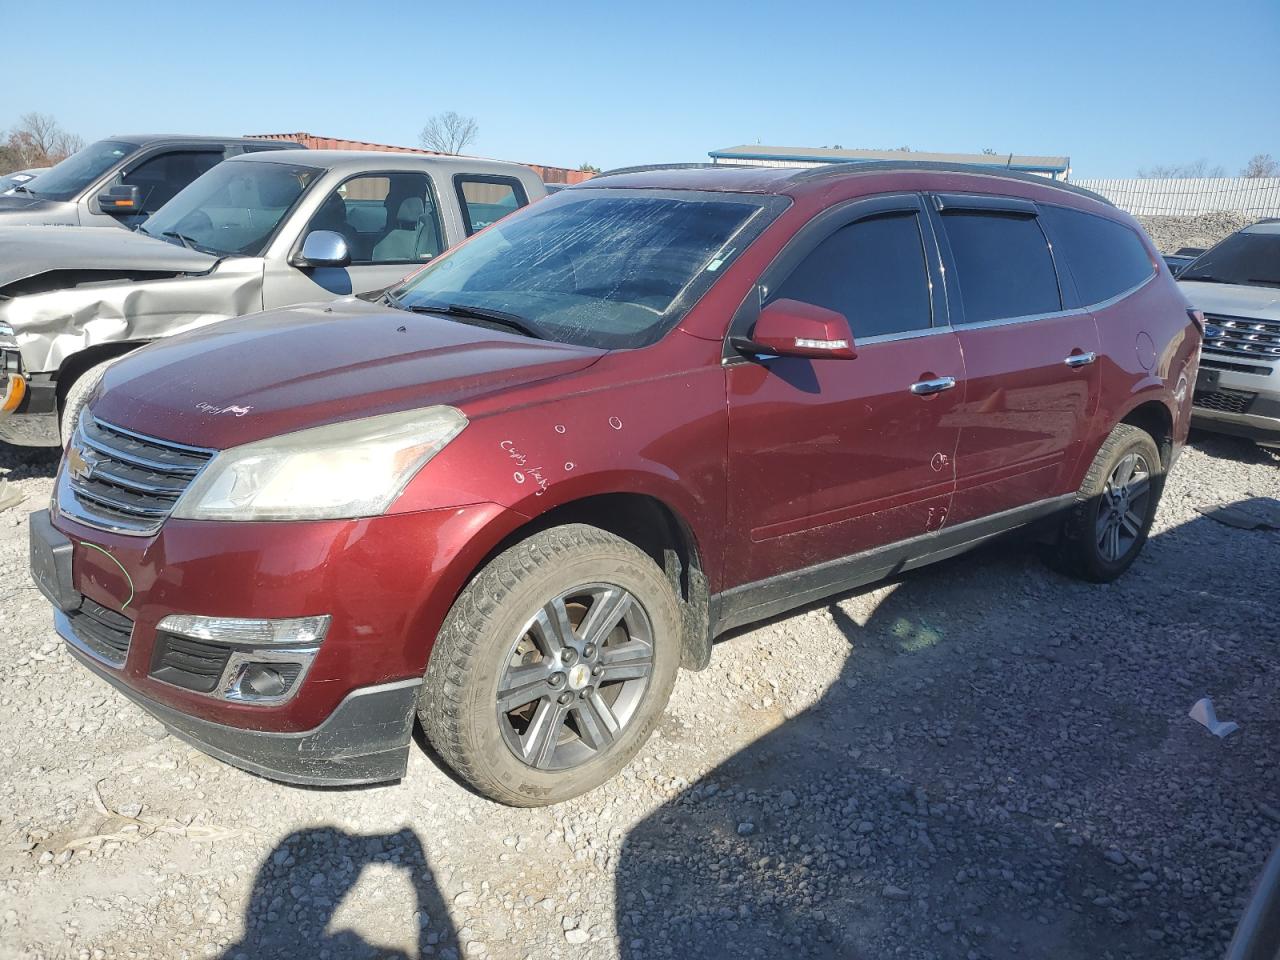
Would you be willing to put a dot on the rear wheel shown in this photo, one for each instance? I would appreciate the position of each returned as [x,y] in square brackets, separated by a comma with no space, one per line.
[1115,508]
[553,666]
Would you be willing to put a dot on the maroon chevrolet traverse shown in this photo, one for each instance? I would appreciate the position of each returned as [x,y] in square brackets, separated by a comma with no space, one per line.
[513,495]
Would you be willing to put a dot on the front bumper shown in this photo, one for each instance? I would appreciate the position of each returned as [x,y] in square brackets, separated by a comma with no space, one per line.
[386,582]
[1240,404]
[364,740]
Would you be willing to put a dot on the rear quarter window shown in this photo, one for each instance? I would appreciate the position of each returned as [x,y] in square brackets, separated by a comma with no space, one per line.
[1105,258]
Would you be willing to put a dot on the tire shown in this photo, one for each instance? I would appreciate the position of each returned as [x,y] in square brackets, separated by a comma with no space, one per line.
[500,633]
[1103,535]
[77,395]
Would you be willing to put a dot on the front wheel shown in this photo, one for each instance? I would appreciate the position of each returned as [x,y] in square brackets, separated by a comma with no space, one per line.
[1109,524]
[553,666]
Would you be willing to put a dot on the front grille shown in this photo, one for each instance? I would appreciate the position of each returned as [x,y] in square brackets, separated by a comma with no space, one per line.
[1225,401]
[1242,337]
[193,664]
[1235,367]
[122,481]
[103,631]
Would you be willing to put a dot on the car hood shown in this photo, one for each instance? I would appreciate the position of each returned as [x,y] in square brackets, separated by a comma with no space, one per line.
[1234,300]
[29,251]
[284,370]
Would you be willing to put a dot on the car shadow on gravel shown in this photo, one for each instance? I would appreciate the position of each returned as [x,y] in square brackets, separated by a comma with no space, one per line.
[963,787]
[1224,447]
[304,881]
[21,463]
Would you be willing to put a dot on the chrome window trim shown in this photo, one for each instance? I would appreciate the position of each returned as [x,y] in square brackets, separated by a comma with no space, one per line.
[1057,314]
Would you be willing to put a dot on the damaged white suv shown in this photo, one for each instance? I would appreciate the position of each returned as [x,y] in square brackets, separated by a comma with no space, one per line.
[256,232]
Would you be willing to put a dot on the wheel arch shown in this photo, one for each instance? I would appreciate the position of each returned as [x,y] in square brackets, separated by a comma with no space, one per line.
[74,366]
[1153,416]
[658,529]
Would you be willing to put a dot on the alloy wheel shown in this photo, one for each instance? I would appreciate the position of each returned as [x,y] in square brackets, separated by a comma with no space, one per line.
[575,676]
[1123,507]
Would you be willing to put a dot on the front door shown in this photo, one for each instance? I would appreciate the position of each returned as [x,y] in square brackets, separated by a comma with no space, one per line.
[833,457]
[1032,366]
[392,226]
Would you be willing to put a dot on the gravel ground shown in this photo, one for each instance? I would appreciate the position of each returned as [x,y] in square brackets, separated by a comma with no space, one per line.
[982,760]
[1172,233]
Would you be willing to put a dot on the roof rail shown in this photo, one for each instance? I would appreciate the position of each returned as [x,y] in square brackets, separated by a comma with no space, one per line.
[651,167]
[881,166]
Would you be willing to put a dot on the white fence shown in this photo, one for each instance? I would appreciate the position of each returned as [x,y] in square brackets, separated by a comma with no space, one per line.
[1256,196]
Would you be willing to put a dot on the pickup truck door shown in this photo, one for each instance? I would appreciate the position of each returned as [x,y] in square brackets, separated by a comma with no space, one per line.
[392,223]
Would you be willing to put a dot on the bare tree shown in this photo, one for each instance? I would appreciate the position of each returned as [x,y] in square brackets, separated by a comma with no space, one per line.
[1261,165]
[1194,169]
[589,168]
[449,132]
[36,141]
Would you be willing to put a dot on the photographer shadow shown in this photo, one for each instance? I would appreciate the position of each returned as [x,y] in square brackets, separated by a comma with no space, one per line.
[302,883]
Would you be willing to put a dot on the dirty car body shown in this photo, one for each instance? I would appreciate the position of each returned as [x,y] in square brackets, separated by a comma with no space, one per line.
[621,422]
[229,244]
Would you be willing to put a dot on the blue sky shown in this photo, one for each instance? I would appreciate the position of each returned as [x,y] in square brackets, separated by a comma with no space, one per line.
[1116,86]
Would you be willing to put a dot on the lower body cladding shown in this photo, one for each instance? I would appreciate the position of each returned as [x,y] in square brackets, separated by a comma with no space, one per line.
[292,650]
[1238,403]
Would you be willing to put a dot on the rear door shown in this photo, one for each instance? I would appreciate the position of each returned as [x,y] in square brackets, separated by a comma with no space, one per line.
[1031,363]
[828,457]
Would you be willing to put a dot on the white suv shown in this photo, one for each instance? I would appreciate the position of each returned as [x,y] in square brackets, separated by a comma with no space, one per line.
[1236,284]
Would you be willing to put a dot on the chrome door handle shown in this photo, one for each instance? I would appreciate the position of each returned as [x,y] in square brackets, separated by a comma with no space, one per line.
[1080,359]
[926,387]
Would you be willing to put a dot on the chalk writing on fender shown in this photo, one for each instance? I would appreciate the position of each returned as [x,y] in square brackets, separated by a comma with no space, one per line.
[522,461]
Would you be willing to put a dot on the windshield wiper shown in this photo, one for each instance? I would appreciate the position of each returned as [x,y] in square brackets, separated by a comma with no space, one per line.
[180,237]
[467,312]
[1265,283]
[17,186]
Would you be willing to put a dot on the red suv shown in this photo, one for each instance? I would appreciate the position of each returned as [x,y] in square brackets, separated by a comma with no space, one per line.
[514,494]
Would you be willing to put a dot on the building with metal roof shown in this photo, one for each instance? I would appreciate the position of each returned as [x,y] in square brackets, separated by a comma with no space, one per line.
[1055,168]
[549,174]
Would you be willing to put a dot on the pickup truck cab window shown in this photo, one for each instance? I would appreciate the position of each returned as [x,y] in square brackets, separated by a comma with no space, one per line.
[234,209]
[163,175]
[1003,263]
[872,271]
[485,200]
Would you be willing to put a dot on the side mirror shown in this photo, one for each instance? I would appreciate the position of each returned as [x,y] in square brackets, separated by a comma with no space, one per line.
[790,328]
[323,248]
[121,201]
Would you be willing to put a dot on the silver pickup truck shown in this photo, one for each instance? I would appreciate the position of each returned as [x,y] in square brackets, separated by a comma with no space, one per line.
[120,181]
[257,231]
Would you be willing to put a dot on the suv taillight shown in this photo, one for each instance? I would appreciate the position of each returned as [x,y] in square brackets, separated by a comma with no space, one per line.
[1197,317]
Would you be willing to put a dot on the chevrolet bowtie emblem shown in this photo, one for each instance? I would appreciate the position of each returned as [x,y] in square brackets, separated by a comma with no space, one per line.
[81,463]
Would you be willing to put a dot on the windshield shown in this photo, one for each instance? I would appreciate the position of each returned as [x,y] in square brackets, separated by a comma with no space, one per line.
[234,209]
[67,179]
[599,268]
[1249,259]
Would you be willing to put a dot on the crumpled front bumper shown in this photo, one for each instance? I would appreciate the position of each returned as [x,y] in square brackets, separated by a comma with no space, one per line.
[28,405]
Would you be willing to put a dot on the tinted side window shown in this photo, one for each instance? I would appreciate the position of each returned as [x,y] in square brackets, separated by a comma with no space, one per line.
[1003,265]
[485,200]
[161,177]
[1106,258]
[872,271]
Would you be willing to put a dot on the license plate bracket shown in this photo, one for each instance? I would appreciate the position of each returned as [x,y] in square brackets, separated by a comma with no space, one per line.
[51,563]
[1207,379]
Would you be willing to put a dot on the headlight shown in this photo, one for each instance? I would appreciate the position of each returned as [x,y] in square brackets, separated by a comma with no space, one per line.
[351,469]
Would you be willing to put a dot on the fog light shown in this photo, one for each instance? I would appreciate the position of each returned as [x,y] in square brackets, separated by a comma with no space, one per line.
[255,661]
[262,681]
